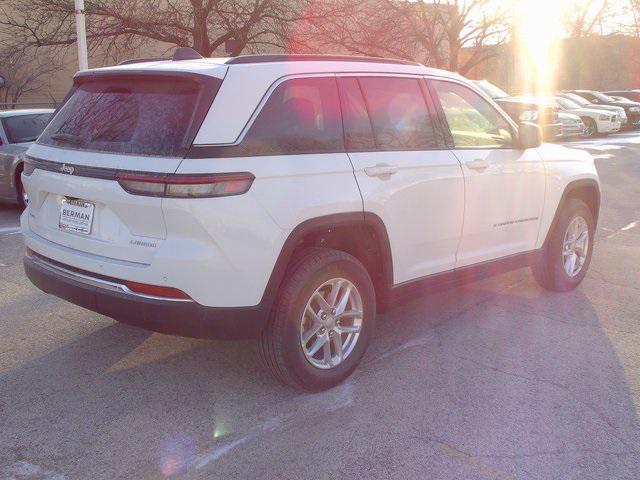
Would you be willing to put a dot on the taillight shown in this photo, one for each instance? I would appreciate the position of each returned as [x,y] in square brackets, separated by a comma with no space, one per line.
[185,186]
[156,290]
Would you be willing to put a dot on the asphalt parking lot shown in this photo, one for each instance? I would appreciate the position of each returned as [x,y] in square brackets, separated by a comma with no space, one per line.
[494,380]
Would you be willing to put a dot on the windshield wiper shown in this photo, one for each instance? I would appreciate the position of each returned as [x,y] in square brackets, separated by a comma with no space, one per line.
[67,138]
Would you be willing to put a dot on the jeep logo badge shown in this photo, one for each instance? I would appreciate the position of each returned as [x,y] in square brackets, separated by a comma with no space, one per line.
[67,169]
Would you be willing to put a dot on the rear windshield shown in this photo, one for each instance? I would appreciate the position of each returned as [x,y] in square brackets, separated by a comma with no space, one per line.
[25,128]
[140,116]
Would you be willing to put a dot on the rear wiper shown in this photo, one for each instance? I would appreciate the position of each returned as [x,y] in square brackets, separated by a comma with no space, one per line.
[67,138]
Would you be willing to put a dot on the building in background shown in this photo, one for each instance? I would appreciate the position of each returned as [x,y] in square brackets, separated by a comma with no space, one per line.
[594,62]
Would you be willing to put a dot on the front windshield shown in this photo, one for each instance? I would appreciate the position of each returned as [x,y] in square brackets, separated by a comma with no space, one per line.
[490,89]
[583,102]
[566,103]
[602,97]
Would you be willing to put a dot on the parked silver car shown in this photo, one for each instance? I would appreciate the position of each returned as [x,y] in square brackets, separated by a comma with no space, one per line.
[572,125]
[18,130]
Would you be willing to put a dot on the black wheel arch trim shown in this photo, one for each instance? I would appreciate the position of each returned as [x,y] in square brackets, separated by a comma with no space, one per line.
[324,223]
[570,187]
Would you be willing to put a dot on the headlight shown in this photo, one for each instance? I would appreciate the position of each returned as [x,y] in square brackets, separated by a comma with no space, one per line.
[634,109]
[605,117]
[529,116]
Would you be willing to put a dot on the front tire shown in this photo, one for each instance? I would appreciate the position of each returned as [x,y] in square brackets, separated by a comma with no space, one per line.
[590,127]
[323,320]
[564,260]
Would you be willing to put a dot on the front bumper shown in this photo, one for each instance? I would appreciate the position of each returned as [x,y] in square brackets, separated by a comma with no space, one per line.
[633,120]
[552,131]
[108,297]
[572,130]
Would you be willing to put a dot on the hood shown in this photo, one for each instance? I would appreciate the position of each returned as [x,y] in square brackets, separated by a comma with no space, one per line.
[566,116]
[593,111]
[531,102]
[608,108]
[623,104]
[563,153]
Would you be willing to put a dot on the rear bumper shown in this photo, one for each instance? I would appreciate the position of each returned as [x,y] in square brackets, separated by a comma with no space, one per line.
[186,318]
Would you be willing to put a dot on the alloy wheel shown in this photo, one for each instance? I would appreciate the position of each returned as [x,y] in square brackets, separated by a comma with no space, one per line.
[575,246]
[589,128]
[331,323]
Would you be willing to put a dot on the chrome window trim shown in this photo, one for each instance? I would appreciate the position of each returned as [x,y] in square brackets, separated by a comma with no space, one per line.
[294,76]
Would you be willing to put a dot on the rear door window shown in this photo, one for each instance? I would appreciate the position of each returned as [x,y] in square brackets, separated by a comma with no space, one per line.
[358,133]
[138,116]
[399,113]
[302,115]
[25,128]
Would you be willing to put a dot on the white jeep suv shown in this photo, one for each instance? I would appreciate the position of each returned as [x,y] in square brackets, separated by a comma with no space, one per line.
[289,198]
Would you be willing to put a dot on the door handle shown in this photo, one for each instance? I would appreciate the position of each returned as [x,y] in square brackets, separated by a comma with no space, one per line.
[477,164]
[380,170]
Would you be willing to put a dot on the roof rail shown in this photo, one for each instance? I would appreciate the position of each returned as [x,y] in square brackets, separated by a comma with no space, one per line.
[181,53]
[143,60]
[244,59]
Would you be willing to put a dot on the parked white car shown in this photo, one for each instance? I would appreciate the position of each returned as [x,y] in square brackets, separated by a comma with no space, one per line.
[290,198]
[18,130]
[584,103]
[595,121]
[572,125]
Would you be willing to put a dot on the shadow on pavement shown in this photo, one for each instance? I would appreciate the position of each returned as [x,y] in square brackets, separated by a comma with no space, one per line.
[492,380]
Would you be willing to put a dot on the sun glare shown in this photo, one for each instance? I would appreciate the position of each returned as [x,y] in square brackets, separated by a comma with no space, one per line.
[538,26]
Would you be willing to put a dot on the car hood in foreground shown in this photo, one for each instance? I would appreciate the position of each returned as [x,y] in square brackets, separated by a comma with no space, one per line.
[17,149]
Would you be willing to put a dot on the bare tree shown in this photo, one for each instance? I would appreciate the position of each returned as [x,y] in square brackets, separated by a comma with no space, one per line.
[633,17]
[450,34]
[26,72]
[112,25]
[583,18]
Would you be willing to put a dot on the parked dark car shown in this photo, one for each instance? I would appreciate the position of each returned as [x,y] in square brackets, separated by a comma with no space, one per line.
[631,108]
[522,109]
[633,95]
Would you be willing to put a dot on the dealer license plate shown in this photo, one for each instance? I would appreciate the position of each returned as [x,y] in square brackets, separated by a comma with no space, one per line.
[76,215]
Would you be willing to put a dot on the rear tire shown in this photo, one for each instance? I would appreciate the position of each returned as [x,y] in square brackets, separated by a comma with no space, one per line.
[296,317]
[564,260]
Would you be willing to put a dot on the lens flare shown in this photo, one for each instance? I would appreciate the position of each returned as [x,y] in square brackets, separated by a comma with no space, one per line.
[176,454]
[537,30]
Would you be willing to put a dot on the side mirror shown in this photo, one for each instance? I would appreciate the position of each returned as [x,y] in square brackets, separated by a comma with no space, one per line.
[529,135]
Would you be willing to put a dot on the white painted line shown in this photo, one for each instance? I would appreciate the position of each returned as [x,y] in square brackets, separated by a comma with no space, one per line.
[301,408]
[629,226]
[9,229]
[216,453]
[25,470]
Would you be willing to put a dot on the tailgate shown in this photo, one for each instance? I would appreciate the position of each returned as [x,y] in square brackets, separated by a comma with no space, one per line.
[122,226]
